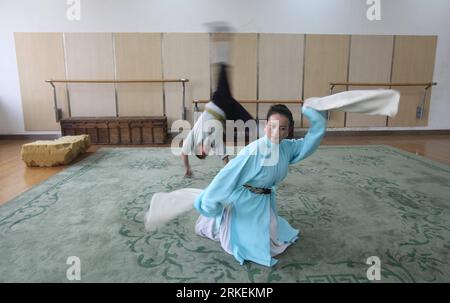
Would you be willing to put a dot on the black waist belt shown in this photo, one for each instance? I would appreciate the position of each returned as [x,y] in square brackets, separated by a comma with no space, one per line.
[257,190]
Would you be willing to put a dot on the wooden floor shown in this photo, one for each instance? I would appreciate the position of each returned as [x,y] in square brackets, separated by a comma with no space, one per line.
[16,177]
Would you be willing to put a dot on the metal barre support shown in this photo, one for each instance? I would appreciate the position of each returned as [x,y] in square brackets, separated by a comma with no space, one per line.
[257,111]
[420,108]
[257,101]
[328,113]
[195,105]
[183,112]
[55,104]
[58,112]
[117,81]
[331,88]
[383,84]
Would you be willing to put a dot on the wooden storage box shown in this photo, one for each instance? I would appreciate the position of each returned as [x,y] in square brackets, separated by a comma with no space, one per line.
[118,130]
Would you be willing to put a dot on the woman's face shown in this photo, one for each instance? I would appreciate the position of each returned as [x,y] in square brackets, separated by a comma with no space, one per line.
[277,127]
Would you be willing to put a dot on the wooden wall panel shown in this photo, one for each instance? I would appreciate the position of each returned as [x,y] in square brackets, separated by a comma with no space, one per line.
[40,56]
[185,56]
[281,71]
[413,62]
[138,56]
[90,56]
[370,61]
[264,66]
[326,60]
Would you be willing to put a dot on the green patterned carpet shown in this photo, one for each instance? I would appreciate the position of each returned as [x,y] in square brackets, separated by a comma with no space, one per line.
[350,203]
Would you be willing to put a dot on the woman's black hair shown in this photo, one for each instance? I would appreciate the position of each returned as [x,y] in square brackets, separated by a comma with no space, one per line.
[283,110]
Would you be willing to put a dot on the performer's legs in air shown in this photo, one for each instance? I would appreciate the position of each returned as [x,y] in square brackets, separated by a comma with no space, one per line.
[222,98]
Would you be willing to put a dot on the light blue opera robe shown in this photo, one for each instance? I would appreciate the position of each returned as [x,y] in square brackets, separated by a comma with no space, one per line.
[250,212]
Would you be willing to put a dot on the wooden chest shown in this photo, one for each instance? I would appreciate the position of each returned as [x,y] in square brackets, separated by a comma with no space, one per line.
[118,130]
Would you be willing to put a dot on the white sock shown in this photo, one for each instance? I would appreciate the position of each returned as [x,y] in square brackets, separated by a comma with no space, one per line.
[220,52]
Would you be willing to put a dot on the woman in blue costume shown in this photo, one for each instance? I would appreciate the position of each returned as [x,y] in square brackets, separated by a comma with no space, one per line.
[239,209]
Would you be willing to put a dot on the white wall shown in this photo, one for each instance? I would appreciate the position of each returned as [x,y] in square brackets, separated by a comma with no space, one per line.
[400,17]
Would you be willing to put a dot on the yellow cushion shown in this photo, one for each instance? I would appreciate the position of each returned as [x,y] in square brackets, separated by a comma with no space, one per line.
[57,152]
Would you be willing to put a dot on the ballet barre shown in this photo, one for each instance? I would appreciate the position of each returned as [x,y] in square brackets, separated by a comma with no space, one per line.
[58,111]
[419,109]
[257,102]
